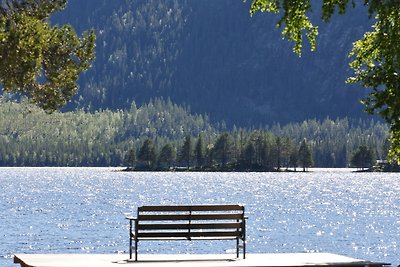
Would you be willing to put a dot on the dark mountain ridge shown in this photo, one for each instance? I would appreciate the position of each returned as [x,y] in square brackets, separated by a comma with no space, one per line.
[212,56]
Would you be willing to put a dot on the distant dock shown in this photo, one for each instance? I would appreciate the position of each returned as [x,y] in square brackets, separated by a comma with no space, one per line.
[200,260]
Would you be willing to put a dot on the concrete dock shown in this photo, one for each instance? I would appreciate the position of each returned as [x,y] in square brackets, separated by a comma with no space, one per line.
[114,260]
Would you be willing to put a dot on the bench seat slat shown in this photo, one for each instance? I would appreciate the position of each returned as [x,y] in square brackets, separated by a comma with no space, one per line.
[185,238]
[187,226]
[187,234]
[190,208]
[186,217]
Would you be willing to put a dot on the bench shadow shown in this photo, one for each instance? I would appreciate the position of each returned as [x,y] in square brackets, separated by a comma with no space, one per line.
[178,260]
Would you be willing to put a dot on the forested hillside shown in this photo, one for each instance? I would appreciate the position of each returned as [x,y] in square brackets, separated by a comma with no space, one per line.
[173,135]
[29,137]
[212,56]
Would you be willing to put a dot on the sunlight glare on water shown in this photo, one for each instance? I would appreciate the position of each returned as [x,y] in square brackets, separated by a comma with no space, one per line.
[82,210]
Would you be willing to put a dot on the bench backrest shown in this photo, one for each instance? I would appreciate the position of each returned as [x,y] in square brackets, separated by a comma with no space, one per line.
[190,221]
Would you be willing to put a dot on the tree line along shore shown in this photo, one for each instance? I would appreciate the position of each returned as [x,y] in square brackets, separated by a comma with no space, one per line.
[29,137]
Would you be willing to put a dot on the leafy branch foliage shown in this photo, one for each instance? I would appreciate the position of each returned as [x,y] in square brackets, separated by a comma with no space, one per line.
[38,60]
[294,20]
[376,57]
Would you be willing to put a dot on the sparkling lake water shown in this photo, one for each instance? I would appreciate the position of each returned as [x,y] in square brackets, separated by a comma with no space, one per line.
[82,210]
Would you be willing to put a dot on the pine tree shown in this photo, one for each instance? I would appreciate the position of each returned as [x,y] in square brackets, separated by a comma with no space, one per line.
[167,156]
[130,159]
[362,157]
[249,155]
[294,158]
[200,152]
[305,155]
[147,154]
[186,152]
[223,149]
[278,152]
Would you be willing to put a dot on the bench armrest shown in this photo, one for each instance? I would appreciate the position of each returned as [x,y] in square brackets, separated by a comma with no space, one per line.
[131,218]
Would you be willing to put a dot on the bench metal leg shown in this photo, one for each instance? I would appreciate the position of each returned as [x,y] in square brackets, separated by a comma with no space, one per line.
[130,239]
[130,248]
[136,249]
[136,238]
[244,249]
[237,247]
[244,236]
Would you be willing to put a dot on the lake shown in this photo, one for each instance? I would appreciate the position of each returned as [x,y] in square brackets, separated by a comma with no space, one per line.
[82,210]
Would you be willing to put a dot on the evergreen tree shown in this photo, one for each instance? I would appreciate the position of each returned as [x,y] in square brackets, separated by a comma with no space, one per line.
[278,152]
[305,157]
[259,144]
[385,148]
[263,151]
[186,152]
[210,155]
[362,157]
[130,159]
[223,149]
[147,154]
[294,158]
[249,155]
[286,151]
[199,152]
[167,156]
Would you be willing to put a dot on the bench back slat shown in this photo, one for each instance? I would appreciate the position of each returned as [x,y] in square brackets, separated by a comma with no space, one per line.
[192,217]
[213,222]
[188,235]
[190,208]
[187,226]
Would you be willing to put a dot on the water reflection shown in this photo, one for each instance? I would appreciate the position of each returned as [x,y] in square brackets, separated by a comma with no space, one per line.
[81,210]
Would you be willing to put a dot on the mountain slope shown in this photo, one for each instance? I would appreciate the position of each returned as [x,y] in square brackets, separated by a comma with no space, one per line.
[212,56]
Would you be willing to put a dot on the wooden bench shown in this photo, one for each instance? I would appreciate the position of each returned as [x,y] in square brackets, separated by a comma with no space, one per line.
[188,222]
